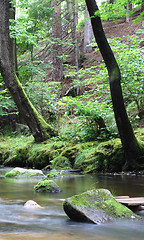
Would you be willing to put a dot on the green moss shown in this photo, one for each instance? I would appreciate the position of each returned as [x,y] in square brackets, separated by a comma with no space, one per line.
[38,156]
[71,153]
[90,157]
[22,172]
[11,174]
[115,209]
[54,174]
[106,156]
[61,162]
[44,126]
[101,199]
[47,186]
[14,150]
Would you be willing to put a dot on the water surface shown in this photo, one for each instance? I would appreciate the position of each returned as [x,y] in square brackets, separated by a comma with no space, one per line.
[51,222]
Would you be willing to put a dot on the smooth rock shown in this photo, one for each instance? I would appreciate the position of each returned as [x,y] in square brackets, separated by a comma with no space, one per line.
[30,204]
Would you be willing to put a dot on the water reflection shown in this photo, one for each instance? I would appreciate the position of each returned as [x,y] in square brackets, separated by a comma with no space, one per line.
[51,222]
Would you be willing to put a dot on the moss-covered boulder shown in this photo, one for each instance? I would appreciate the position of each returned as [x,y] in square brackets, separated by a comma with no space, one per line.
[47,186]
[96,206]
[22,172]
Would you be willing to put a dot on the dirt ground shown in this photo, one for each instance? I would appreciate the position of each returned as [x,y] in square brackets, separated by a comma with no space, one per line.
[115,30]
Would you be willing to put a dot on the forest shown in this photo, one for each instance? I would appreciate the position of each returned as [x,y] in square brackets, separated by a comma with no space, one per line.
[72,85]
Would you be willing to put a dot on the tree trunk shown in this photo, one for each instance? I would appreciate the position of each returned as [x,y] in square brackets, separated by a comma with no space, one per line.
[88,33]
[142,6]
[38,127]
[132,150]
[128,9]
[13,42]
[74,33]
[57,73]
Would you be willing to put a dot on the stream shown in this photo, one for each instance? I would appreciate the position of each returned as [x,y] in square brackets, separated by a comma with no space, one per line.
[51,222]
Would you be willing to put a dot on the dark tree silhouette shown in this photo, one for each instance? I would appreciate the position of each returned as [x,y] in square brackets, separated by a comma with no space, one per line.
[134,153]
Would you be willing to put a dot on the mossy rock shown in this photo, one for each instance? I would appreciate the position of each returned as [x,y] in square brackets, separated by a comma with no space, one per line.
[21,172]
[96,206]
[47,186]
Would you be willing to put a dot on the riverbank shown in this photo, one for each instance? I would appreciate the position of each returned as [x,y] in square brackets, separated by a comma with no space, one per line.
[89,157]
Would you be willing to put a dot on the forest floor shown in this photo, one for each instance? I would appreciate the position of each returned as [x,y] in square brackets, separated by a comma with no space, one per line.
[119,30]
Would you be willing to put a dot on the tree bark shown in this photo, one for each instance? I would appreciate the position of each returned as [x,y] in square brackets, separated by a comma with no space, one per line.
[128,9]
[57,73]
[88,33]
[38,127]
[13,42]
[142,6]
[132,149]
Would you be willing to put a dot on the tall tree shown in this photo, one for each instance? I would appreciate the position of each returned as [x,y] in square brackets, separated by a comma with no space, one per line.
[13,41]
[142,6]
[57,74]
[88,33]
[72,17]
[132,149]
[39,128]
[128,9]
[74,21]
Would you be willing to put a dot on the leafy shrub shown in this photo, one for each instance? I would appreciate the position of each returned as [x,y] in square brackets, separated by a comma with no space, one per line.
[89,121]
[130,60]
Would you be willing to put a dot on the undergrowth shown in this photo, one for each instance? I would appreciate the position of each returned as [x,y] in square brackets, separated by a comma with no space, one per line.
[94,156]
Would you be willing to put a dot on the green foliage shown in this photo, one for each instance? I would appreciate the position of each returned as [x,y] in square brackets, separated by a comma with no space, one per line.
[88,116]
[61,162]
[105,156]
[94,156]
[44,96]
[28,27]
[7,105]
[54,174]
[47,186]
[11,174]
[29,69]
[130,59]
[114,11]
[13,150]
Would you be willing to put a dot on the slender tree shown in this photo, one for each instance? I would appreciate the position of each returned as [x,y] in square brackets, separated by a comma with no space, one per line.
[88,33]
[57,74]
[132,149]
[13,41]
[142,6]
[128,9]
[38,127]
